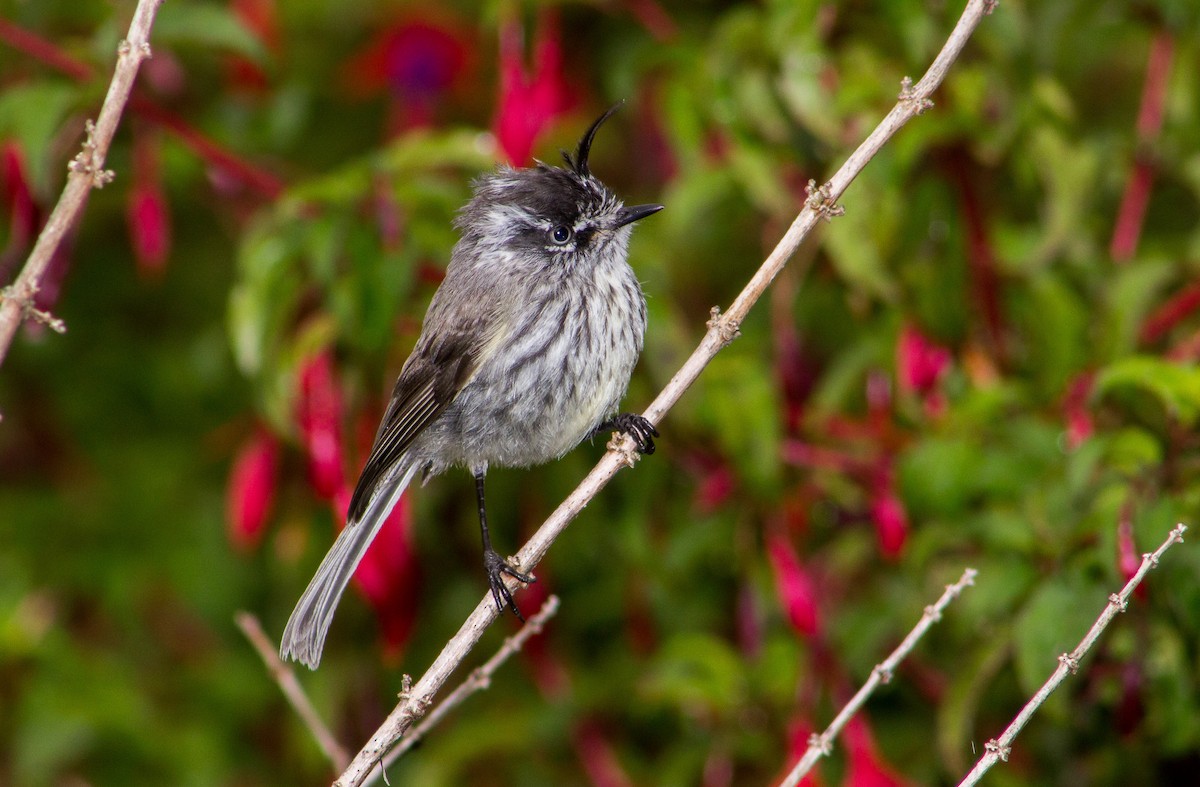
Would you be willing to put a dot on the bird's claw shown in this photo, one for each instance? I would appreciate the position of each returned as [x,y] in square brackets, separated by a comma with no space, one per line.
[639,429]
[497,567]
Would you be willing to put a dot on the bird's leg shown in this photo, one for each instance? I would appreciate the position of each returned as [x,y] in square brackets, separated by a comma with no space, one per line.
[495,565]
[634,425]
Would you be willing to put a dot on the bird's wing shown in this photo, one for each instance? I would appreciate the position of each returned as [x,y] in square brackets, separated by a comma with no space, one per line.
[442,363]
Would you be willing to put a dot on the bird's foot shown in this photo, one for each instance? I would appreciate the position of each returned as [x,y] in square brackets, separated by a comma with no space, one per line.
[637,427]
[497,567]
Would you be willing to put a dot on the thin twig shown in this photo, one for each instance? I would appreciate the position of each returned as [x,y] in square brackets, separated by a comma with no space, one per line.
[822,745]
[479,679]
[85,172]
[1000,748]
[722,329]
[286,678]
[49,54]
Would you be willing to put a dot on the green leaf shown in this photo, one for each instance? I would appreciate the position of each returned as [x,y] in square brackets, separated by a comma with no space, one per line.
[1131,381]
[207,26]
[33,114]
[697,669]
[1052,623]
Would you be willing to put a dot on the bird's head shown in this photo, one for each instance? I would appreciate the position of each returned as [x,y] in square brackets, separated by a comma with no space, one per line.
[555,215]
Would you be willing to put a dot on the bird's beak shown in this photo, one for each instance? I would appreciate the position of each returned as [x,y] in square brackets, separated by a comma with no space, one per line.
[632,213]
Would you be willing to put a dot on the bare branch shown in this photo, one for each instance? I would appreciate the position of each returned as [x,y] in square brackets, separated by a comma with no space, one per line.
[478,680]
[722,328]
[822,745]
[86,171]
[286,678]
[1000,748]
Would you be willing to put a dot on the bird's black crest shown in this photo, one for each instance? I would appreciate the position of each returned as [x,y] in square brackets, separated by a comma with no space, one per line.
[579,164]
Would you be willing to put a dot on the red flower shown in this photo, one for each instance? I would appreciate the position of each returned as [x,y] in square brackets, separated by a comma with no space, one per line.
[1129,560]
[891,523]
[149,227]
[597,755]
[796,589]
[319,416]
[529,104]
[866,767]
[418,62]
[146,211]
[920,365]
[251,490]
[14,191]
[259,17]
[1075,407]
[716,486]
[799,734]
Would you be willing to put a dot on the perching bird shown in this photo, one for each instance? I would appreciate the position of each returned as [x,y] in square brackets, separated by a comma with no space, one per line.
[527,349]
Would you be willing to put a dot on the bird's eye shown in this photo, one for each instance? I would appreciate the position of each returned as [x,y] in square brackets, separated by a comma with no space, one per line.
[561,234]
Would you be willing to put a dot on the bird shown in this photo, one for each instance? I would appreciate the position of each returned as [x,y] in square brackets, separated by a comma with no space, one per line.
[526,349]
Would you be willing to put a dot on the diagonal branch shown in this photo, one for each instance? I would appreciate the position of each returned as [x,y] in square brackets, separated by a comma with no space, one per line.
[292,691]
[86,171]
[479,679]
[47,53]
[722,329]
[1068,663]
[821,745]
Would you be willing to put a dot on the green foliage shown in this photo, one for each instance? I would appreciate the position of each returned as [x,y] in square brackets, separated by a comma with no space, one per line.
[1054,436]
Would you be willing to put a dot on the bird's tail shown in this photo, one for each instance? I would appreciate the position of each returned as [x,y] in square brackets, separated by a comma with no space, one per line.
[304,635]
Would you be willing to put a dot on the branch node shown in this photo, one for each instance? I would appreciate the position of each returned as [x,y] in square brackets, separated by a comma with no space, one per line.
[126,48]
[1117,601]
[29,310]
[1151,557]
[1000,750]
[822,743]
[727,329]
[989,6]
[885,674]
[820,199]
[1070,662]
[933,613]
[406,684]
[90,162]
[481,678]
[623,445]
[909,96]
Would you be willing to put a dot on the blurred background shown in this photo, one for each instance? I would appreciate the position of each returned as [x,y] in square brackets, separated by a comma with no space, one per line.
[988,362]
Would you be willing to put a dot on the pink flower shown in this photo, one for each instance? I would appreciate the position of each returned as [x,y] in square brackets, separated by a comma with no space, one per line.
[799,733]
[146,211]
[14,191]
[920,365]
[796,589]
[1129,560]
[149,227]
[418,61]
[866,767]
[891,523]
[251,490]
[260,18]
[597,755]
[319,416]
[529,103]
[1076,412]
[716,485]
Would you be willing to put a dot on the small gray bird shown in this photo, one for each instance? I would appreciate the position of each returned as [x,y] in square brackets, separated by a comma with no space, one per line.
[527,349]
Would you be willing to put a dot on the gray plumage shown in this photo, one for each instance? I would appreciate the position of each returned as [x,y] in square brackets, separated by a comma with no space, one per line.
[526,349]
